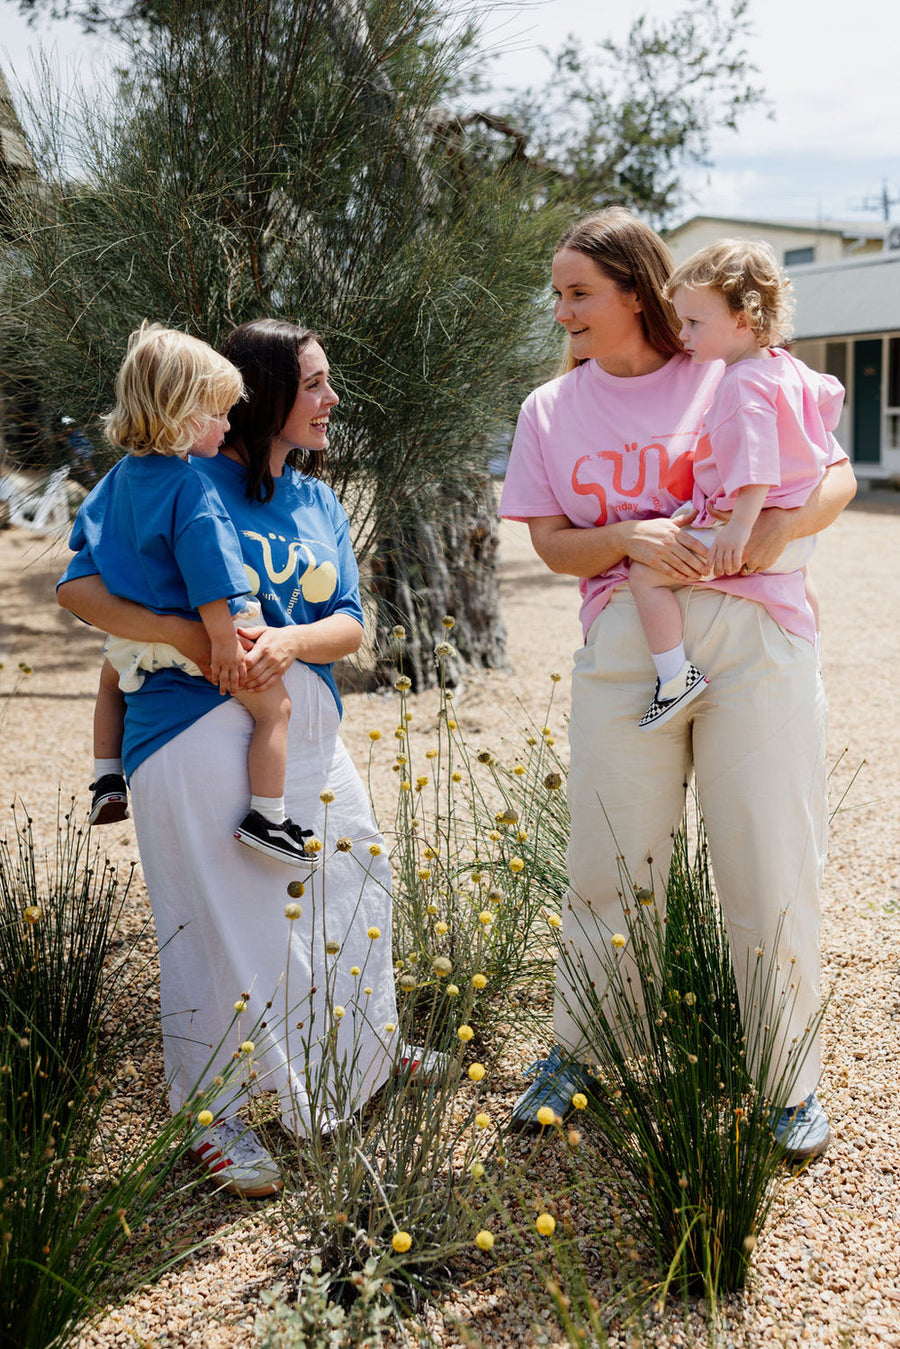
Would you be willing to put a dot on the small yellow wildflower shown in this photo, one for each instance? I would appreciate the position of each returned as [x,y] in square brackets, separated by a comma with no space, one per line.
[618,940]
[355,971]
[205,1118]
[373,933]
[313,845]
[422,781]
[483,1120]
[452,990]
[556,678]
[344,844]
[424,873]
[516,865]
[579,1100]
[293,912]
[476,1170]
[546,1115]
[339,1011]
[399,632]
[519,770]
[375,849]
[405,786]
[545,1224]
[553,782]
[403,684]
[240,1005]
[479,981]
[690,998]
[389,1027]
[455,777]
[247,1047]
[431,910]
[476,1071]
[522,836]
[332,947]
[441,929]
[374,735]
[408,982]
[495,835]
[466,1033]
[448,621]
[554,920]
[485,1240]
[33,914]
[452,726]
[401,1242]
[327,796]
[441,966]
[485,917]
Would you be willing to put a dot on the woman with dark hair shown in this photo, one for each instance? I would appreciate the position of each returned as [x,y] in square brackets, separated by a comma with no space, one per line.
[601,459]
[314,978]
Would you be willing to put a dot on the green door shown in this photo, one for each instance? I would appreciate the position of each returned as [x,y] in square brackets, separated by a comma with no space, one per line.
[867,401]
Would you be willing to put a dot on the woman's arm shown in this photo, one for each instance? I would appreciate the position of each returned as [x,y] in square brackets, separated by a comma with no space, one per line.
[319,643]
[87,597]
[776,528]
[659,543]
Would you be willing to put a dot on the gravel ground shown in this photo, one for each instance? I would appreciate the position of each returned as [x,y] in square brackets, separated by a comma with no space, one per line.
[827,1269]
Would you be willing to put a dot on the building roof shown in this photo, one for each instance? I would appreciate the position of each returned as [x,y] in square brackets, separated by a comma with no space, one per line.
[853,295]
[847,229]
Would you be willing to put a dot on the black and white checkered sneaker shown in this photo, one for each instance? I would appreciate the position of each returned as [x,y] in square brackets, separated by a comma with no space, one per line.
[110,800]
[285,841]
[670,697]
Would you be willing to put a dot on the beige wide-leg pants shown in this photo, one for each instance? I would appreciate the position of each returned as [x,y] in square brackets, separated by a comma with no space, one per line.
[756,741]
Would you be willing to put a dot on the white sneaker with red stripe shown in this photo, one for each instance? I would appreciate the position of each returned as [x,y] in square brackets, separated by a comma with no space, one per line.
[424,1064]
[234,1158]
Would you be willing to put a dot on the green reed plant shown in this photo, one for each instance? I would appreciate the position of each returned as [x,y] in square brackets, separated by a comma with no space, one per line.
[475,895]
[80,1221]
[676,1087]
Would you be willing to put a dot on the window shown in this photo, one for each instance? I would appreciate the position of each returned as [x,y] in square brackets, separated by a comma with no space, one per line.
[793,256]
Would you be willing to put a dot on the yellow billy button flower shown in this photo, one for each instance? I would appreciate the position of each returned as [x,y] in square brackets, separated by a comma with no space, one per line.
[554,920]
[313,845]
[339,1011]
[451,724]
[617,940]
[579,1100]
[422,781]
[355,971]
[344,844]
[296,889]
[399,632]
[556,678]
[452,990]
[373,933]
[405,786]
[240,1005]
[448,621]
[424,873]
[441,929]
[442,966]
[247,1047]
[476,1170]
[389,1028]
[408,982]
[454,777]
[545,1224]
[205,1118]
[553,782]
[485,917]
[546,1116]
[327,796]
[519,770]
[466,1033]
[479,981]
[485,1240]
[476,1071]
[403,684]
[293,912]
[690,998]
[375,849]
[431,909]
[332,947]
[483,1120]
[374,735]
[401,1242]
[33,914]
[516,865]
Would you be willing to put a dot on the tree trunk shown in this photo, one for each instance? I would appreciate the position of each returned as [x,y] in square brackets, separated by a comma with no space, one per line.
[443,564]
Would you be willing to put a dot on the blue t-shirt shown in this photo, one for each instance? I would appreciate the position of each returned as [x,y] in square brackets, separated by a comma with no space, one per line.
[157,533]
[301,567]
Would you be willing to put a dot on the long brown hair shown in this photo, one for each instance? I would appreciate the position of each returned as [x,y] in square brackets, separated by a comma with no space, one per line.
[267,353]
[635,258]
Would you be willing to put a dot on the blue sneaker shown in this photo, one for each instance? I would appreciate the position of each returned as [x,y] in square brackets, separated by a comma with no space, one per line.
[556,1080]
[802,1130]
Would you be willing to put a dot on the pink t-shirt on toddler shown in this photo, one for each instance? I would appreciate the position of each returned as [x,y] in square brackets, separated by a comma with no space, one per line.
[600,448]
[770,424]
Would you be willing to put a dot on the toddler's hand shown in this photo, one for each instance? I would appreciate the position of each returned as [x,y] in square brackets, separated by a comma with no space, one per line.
[228,663]
[726,552]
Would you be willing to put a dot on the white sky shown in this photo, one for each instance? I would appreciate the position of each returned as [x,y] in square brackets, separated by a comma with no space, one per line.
[830,70]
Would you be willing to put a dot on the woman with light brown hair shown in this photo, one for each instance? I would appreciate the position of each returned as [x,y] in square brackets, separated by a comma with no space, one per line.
[601,460]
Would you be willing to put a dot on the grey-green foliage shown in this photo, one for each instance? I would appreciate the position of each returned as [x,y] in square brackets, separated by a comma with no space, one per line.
[276,157]
[315,1321]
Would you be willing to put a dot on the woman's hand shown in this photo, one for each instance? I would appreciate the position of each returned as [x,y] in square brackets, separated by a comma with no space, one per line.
[319,643]
[273,651]
[665,546]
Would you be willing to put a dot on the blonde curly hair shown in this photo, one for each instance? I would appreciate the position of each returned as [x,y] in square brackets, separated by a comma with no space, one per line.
[747,276]
[168,386]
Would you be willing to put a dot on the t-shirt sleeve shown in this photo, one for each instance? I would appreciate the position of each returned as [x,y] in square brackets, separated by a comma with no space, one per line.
[205,544]
[527,491]
[82,564]
[744,436]
[346,596]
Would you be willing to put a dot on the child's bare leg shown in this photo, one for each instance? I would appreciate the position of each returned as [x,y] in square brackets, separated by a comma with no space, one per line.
[657,607]
[109,716]
[109,803]
[267,759]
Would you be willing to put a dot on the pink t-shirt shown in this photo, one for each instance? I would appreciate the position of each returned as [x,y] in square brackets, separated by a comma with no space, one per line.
[599,448]
[770,423]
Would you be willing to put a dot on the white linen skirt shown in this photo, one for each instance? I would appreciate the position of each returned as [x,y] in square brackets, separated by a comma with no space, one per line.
[319,990]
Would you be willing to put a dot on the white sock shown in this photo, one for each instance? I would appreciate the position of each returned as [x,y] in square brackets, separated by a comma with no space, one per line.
[102,767]
[270,807]
[668,663]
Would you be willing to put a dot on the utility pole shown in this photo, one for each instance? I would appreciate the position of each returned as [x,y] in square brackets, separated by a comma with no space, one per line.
[882,203]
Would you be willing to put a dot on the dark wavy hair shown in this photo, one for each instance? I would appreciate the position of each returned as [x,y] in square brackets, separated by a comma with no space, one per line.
[267,353]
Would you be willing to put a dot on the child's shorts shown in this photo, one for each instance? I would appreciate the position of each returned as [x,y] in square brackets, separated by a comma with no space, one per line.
[132,660]
[795,556]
